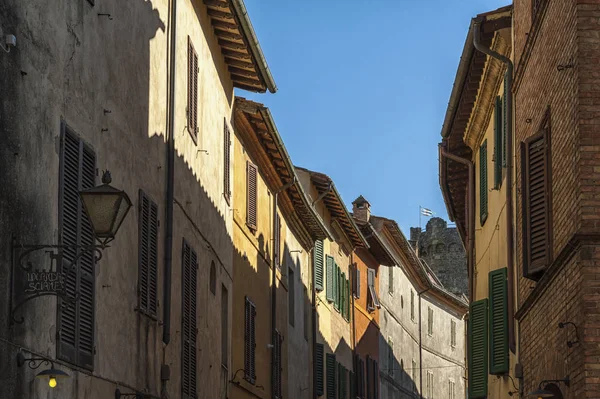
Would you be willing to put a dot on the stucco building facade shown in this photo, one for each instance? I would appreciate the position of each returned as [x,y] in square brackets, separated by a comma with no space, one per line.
[145,90]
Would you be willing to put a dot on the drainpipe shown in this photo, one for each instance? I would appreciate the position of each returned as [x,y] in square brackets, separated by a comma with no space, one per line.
[509,179]
[274,283]
[470,212]
[314,303]
[421,344]
[170,180]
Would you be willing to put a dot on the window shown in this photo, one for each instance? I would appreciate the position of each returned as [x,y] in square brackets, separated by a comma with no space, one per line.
[192,94]
[348,301]
[226,162]
[429,385]
[372,300]
[342,382]
[453,333]
[451,389]
[498,142]
[390,364]
[483,191]
[360,376]
[251,195]
[356,281]
[189,331]
[319,371]
[278,369]
[537,199]
[147,254]
[504,120]
[224,327]
[76,322]
[331,374]
[343,305]
[498,295]
[318,264]
[412,305]
[250,341]
[391,280]
[213,278]
[337,278]
[291,297]
[330,269]
[429,321]
[478,349]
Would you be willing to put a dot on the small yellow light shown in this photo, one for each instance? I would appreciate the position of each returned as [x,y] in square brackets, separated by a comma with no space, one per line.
[52,382]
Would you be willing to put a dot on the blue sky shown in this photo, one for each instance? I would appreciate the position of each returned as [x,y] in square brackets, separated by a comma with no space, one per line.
[363,89]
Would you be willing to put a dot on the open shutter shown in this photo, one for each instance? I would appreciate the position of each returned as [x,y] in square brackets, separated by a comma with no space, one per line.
[375,379]
[277,244]
[331,371]
[251,195]
[250,342]
[348,301]
[336,279]
[498,143]
[352,387]
[357,283]
[189,327]
[318,264]
[504,120]
[483,187]
[319,370]
[498,286]
[148,254]
[330,289]
[192,90]
[343,295]
[369,376]
[227,162]
[76,321]
[478,349]
[537,240]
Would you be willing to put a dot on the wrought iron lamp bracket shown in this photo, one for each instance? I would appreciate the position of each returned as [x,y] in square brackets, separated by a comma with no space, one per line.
[34,362]
[20,260]
[566,323]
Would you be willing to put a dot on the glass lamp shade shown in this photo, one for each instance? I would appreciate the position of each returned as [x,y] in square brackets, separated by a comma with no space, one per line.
[52,374]
[540,393]
[106,208]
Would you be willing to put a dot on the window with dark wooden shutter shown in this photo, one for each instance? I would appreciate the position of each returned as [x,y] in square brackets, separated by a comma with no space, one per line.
[498,286]
[227,163]
[76,321]
[348,301]
[192,94]
[498,144]
[343,383]
[375,379]
[277,244]
[330,288]
[343,307]
[478,349]
[537,210]
[483,190]
[331,371]
[291,297]
[250,341]
[319,371]
[318,264]
[372,300]
[277,364]
[504,120]
[369,379]
[352,386]
[356,281]
[189,330]
[251,195]
[336,279]
[147,254]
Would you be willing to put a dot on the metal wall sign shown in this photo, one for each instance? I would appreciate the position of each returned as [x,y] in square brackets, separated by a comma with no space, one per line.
[44,281]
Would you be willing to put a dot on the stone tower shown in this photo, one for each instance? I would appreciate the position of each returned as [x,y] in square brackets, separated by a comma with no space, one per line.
[441,247]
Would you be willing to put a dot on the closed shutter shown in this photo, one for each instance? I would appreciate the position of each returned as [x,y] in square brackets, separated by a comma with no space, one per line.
[498,321]
[319,370]
[330,289]
[147,254]
[369,388]
[76,321]
[478,349]
[277,364]
[498,144]
[352,385]
[336,279]
[331,371]
[357,282]
[391,279]
[343,383]
[343,295]
[348,301]
[504,120]
[227,162]
[250,341]
[251,194]
[318,264]
[375,379]
[483,191]
[192,90]
[189,329]
[277,244]
[537,192]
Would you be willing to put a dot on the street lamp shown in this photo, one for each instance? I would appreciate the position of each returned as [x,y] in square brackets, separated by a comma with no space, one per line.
[52,374]
[553,392]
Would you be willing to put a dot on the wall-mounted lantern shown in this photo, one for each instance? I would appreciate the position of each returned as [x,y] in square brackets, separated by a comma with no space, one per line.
[548,389]
[52,374]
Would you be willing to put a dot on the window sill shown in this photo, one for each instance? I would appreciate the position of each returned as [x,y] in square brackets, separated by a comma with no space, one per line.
[146,314]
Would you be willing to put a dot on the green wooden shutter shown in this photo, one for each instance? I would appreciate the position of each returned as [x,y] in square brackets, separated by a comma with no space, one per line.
[505,120]
[318,264]
[319,370]
[331,371]
[343,296]
[330,293]
[348,300]
[478,349]
[352,385]
[483,190]
[498,286]
[498,144]
[189,325]
[336,286]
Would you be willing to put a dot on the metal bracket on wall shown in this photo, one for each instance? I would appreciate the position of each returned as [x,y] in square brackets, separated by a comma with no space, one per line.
[566,323]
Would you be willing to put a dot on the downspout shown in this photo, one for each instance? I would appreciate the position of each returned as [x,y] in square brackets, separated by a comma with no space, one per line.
[470,212]
[274,282]
[509,180]
[170,181]
[421,344]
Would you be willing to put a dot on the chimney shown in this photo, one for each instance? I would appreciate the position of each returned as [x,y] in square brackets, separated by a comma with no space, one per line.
[361,209]
[415,233]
